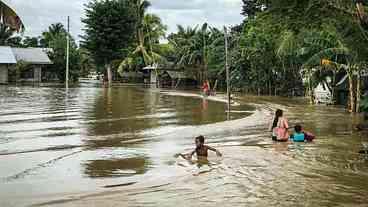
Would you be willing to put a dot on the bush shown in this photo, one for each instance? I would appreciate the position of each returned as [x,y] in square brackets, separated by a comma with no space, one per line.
[364,104]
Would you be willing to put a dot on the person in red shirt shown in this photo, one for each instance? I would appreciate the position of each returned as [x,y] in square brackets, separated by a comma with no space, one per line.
[206,88]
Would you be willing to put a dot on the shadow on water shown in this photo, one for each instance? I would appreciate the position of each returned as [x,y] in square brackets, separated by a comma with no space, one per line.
[116,168]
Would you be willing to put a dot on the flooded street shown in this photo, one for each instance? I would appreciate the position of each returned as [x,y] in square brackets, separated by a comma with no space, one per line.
[91,146]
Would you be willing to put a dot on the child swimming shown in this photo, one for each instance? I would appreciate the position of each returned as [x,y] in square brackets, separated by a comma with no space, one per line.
[201,149]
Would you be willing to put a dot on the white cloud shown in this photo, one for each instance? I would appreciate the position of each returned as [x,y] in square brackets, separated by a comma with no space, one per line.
[38,15]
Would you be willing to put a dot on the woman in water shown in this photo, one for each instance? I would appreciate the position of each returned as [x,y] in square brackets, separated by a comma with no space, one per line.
[280,127]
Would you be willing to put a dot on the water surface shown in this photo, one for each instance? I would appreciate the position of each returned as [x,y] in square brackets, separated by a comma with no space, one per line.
[116,147]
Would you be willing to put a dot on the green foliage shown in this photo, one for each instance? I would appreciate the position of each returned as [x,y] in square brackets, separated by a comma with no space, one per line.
[364,104]
[110,29]
[199,51]
[149,30]
[19,68]
[288,40]
[56,38]
[52,32]
[30,42]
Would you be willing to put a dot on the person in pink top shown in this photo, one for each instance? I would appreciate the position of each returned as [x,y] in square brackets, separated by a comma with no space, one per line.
[280,127]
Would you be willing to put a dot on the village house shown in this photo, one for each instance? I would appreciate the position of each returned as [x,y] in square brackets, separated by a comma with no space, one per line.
[166,76]
[7,60]
[35,60]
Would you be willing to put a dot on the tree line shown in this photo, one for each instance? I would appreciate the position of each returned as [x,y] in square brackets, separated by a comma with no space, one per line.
[282,47]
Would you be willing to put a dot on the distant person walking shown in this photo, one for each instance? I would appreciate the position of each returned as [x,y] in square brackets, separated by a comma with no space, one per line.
[206,88]
[279,127]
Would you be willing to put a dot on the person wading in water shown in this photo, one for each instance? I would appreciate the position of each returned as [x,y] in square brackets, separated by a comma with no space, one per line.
[279,127]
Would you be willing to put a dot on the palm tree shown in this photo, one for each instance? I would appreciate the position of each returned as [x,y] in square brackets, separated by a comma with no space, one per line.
[193,47]
[141,7]
[150,30]
[52,32]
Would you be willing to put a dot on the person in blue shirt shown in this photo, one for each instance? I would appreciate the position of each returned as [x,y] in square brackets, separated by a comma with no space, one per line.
[298,135]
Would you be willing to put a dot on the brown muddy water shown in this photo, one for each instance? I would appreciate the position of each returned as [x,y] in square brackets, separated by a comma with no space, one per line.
[90,146]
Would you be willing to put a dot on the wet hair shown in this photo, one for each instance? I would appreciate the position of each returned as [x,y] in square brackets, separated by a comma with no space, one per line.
[279,113]
[200,139]
[298,128]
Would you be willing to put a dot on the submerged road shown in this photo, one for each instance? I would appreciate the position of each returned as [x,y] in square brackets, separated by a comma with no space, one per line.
[91,146]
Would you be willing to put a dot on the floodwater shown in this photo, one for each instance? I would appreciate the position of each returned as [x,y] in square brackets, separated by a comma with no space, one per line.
[91,146]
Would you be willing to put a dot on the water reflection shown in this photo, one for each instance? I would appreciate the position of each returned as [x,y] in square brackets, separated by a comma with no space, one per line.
[121,116]
[116,168]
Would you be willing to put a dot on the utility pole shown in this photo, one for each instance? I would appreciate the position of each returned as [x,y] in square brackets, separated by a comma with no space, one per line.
[227,73]
[67,54]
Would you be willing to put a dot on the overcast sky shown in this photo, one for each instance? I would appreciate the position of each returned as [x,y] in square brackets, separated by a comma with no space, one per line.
[37,15]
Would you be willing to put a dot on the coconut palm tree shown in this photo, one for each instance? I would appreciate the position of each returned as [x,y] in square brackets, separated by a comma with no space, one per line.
[53,31]
[141,7]
[193,47]
[150,30]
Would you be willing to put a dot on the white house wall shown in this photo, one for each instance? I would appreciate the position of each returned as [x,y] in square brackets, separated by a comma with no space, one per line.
[3,74]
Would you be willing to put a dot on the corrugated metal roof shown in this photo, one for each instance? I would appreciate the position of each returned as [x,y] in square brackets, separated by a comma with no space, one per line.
[32,55]
[6,55]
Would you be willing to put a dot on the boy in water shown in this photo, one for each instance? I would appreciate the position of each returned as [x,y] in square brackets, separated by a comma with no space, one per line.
[201,149]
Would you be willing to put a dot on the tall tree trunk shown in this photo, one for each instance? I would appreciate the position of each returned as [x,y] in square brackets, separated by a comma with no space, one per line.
[141,46]
[352,93]
[358,93]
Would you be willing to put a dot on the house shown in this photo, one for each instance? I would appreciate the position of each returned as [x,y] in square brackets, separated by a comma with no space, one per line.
[165,76]
[152,73]
[34,58]
[7,60]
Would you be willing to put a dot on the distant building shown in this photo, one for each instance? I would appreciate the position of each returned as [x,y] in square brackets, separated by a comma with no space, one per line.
[7,60]
[167,76]
[35,58]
